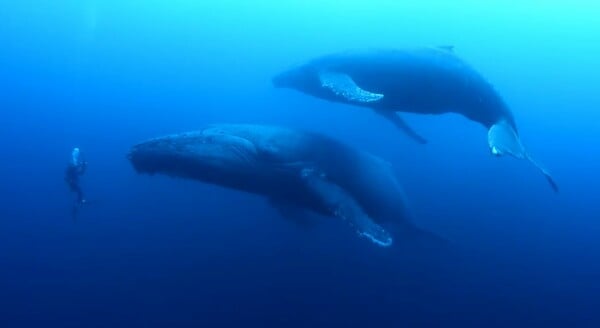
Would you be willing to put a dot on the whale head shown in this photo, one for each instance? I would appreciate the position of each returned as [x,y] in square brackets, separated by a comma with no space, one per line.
[203,155]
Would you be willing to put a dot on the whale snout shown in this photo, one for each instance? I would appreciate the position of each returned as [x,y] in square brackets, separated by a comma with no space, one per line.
[195,153]
[279,80]
[152,156]
[139,158]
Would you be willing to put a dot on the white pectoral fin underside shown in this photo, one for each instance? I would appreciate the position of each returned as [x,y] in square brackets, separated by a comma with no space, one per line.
[344,206]
[344,86]
[502,139]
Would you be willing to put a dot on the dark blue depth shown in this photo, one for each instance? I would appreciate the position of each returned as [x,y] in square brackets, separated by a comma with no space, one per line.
[160,252]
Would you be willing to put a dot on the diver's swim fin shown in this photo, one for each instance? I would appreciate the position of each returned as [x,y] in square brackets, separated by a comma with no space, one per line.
[343,86]
[401,124]
[502,139]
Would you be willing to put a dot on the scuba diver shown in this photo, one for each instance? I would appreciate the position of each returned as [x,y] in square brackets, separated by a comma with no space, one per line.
[75,169]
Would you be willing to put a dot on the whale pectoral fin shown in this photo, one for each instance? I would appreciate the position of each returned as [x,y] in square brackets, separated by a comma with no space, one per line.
[399,122]
[345,207]
[502,139]
[291,212]
[343,86]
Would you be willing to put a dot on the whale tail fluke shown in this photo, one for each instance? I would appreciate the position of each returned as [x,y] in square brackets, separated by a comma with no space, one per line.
[545,172]
[503,139]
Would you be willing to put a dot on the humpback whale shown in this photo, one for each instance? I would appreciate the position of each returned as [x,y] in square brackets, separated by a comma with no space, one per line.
[421,80]
[292,168]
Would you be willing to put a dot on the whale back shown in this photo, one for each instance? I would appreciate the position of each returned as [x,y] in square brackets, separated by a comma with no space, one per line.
[369,179]
[421,80]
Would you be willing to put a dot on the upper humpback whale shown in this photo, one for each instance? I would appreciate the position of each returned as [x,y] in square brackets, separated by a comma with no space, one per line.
[294,169]
[421,80]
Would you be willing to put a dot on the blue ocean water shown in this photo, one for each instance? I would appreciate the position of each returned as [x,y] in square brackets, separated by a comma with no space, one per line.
[160,252]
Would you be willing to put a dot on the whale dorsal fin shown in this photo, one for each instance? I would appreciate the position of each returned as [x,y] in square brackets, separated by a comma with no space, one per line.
[343,86]
[345,207]
[502,139]
[449,48]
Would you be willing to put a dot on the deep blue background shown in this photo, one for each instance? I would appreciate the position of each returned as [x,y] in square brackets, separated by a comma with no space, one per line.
[153,251]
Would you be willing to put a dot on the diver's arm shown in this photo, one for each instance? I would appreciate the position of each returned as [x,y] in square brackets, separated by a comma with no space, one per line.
[83,167]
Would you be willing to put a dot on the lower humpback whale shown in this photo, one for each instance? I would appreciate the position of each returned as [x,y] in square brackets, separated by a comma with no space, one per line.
[302,169]
[422,80]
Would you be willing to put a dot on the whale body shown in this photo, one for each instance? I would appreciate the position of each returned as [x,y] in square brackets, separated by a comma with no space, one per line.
[293,169]
[422,80]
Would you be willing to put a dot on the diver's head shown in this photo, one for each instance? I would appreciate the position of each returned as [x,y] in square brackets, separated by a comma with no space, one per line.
[201,154]
[75,156]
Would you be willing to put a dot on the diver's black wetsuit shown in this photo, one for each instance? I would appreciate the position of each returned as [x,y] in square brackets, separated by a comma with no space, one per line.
[72,174]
